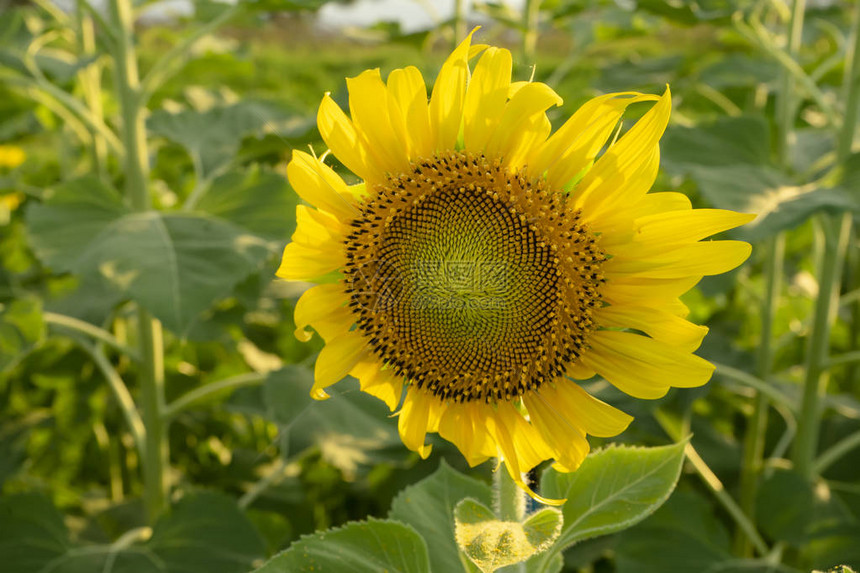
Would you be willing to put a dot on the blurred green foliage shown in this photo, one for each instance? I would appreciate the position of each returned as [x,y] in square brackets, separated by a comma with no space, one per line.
[254,464]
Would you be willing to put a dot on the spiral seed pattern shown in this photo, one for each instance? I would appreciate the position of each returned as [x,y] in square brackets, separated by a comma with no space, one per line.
[472,282]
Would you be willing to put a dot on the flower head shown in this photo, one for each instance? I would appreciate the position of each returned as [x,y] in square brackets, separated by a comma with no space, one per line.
[484,264]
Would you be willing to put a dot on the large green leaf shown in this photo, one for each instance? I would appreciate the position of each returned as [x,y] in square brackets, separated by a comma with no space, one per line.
[71,216]
[767,192]
[257,200]
[212,136]
[206,533]
[728,141]
[614,489]
[361,547]
[174,264]
[32,532]
[428,506]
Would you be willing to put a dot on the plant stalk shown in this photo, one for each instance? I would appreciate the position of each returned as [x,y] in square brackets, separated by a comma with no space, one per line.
[156,454]
[785,103]
[757,424]
[510,502]
[836,235]
[531,17]
[851,89]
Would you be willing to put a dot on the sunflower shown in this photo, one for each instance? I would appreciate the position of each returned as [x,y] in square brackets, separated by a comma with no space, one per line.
[483,264]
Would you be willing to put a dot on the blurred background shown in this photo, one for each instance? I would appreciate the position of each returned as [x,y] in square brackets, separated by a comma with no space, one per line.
[144,207]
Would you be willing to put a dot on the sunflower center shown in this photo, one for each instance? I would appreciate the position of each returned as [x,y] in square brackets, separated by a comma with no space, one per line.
[471,281]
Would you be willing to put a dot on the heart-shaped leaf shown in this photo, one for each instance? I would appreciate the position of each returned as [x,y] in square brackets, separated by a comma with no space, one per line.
[492,543]
[359,547]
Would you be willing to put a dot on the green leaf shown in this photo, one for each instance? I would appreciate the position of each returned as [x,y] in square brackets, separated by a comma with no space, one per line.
[72,214]
[612,490]
[32,532]
[211,137]
[812,508]
[492,543]
[287,393]
[428,506]
[728,141]
[206,533]
[174,264]
[361,547]
[765,191]
[21,327]
[256,200]
[349,428]
[683,535]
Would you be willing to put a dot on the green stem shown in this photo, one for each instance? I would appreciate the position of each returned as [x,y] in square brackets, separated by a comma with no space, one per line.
[509,497]
[91,330]
[785,104]
[120,391]
[851,88]
[90,79]
[716,486]
[201,393]
[510,502]
[156,454]
[459,22]
[273,477]
[531,17]
[835,245]
[847,358]
[836,451]
[165,66]
[757,384]
[757,425]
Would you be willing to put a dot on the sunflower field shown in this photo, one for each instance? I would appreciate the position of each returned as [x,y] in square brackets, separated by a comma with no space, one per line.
[429,286]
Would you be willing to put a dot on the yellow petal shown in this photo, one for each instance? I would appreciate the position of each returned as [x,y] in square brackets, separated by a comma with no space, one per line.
[579,372]
[654,203]
[486,97]
[339,133]
[324,308]
[596,417]
[317,229]
[659,324]
[319,185]
[520,446]
[643,367]
[368,106]
[646,291]
[627,170]
[688,226]
[574,146]
[463,425]
[301,263]
[337,358]
[449,96]
[407,91]
[379,381]
[519,127]
[556,425]
[705,258]
[414,420]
